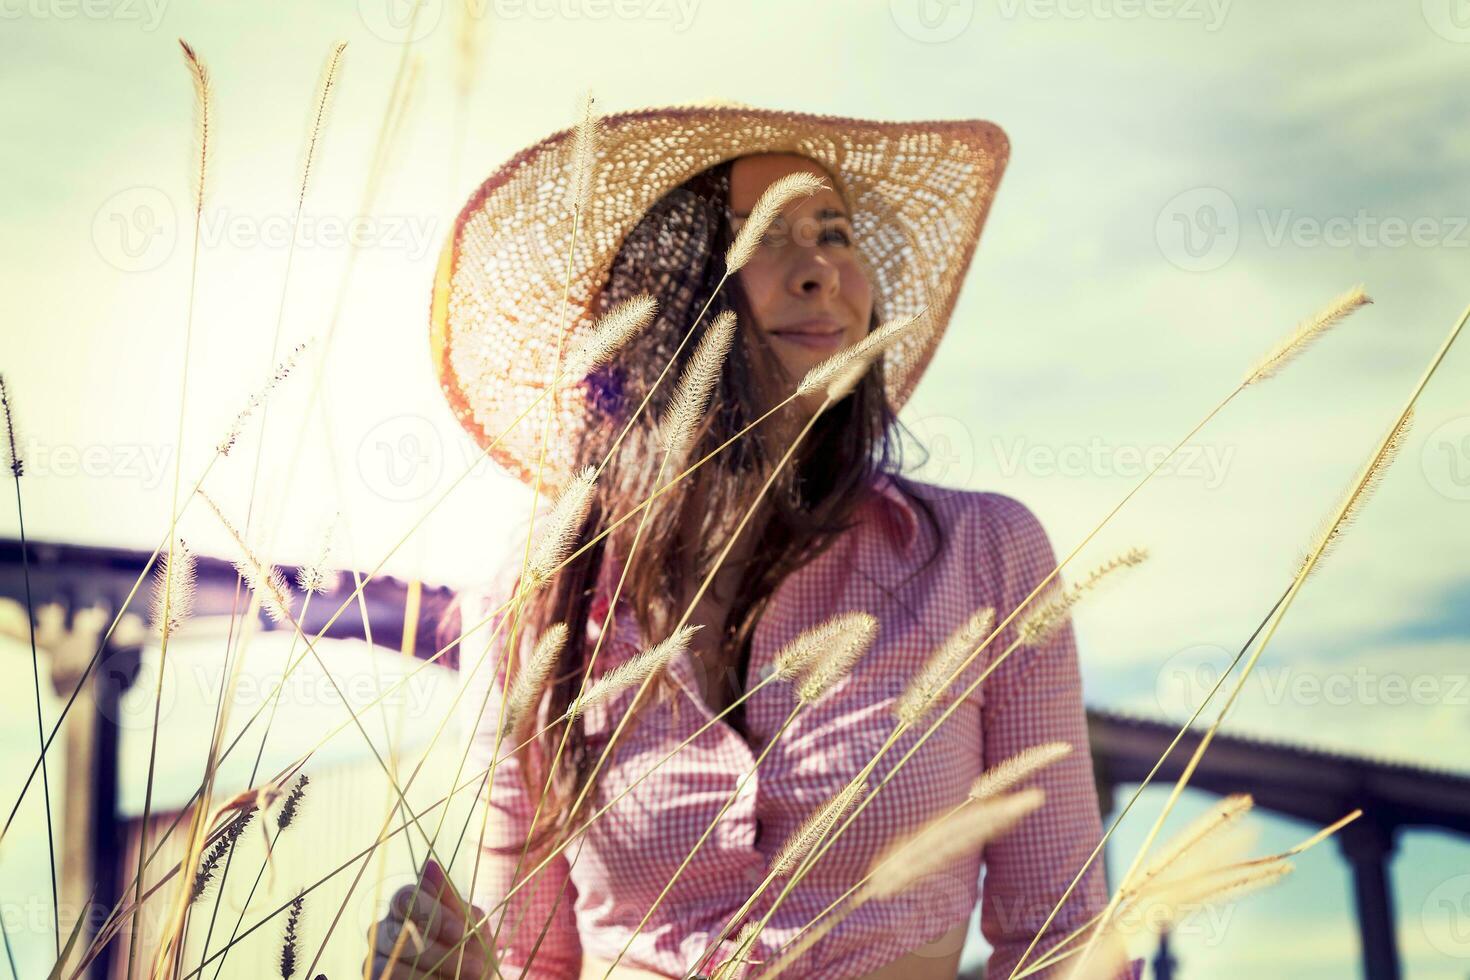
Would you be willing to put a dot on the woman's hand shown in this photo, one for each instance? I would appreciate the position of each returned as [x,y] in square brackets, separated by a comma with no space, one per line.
[436,921]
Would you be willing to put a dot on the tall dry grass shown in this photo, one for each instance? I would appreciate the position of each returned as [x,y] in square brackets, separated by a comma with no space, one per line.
[1194,869]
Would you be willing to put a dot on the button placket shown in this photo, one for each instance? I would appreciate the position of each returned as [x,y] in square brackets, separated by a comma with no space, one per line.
[736,826]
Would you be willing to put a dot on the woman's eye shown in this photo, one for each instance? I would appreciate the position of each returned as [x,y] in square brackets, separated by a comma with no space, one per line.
[841,236]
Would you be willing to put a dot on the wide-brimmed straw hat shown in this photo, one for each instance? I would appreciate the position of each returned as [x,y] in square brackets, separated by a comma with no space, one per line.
[918,194]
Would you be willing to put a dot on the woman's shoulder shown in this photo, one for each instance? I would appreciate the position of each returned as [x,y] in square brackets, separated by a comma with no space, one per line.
[990,518]
[992,530]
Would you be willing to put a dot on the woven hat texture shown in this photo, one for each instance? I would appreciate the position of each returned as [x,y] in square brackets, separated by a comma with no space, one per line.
[918,194]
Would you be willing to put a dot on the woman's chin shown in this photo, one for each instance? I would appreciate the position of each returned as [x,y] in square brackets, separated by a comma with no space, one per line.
[809,404]
[799,363]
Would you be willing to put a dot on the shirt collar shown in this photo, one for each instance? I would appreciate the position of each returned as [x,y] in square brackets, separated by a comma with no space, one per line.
[892,504]
[903,520]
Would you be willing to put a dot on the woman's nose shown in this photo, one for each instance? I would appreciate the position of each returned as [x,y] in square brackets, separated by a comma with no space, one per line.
[815,275]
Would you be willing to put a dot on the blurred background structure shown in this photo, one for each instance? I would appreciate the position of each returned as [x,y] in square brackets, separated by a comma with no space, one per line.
[79,588]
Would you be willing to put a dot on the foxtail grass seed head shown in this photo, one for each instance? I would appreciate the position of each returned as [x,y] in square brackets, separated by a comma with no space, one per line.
[199,156]
[266,582]
[1049,612]
[1010,773]
[691,399]
[846,379]
[767,209]
[586,140]
[830,373]
[1197,833]
[816,826]
[269,584]
[322,111]
[530,680]
[845,630]
[317,576]
[610,334]
[942,665]
[292,803]
[12,442]
[950,839]
[1039,623]
[209,863]
[563,526]
[1351,506]
[290,942]
[173,589]
[258,398]
[1170,904]
[834,660]
[745,942]
[634,670]
[1305,334]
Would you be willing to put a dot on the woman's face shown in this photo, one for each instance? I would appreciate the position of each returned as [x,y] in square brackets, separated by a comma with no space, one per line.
[808,294]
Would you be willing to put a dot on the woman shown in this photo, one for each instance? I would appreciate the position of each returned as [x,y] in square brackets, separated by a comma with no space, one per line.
[838,531]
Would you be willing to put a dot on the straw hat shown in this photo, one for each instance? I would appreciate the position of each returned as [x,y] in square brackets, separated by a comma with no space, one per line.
[918,194]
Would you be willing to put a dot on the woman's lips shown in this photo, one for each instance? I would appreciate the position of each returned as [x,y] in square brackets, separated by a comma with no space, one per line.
[812,341]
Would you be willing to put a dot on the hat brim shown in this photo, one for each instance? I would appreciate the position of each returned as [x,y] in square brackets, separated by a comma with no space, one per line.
[919,193]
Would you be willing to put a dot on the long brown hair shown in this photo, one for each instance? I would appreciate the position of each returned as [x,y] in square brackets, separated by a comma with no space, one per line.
[813,498]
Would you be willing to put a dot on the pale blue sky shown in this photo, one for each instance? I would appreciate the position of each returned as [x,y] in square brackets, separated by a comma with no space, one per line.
[1302,148]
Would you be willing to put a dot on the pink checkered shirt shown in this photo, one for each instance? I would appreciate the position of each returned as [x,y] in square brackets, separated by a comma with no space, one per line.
[995,551]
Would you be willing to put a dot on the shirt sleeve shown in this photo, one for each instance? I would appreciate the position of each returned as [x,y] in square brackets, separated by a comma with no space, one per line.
[1033,697]
[510,811]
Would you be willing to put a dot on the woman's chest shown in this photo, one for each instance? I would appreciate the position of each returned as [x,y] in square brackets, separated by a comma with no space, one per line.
[682,772]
